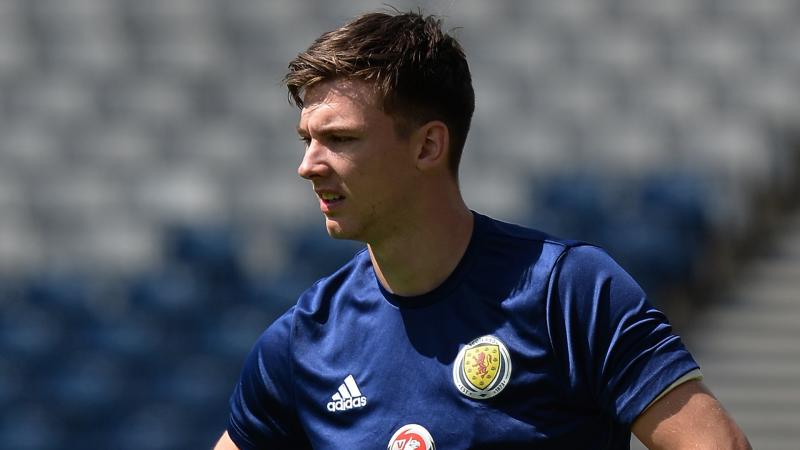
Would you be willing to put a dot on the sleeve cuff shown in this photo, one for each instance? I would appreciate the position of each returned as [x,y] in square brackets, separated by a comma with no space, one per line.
[695,374]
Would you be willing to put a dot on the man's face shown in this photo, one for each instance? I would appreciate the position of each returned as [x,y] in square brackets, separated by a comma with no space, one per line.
[361,170]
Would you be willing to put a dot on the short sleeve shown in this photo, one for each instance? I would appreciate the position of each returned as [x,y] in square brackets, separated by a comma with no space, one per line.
[262,404]
[619,351]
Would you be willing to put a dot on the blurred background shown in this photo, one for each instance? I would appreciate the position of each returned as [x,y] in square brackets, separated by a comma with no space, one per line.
[152,224]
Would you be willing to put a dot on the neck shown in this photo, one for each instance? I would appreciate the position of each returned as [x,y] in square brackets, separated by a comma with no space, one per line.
[421,256]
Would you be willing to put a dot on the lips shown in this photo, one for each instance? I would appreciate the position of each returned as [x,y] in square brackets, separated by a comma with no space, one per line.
[329,197]
[328,200]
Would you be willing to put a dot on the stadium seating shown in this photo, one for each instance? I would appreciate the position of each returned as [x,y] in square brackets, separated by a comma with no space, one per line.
[151,222]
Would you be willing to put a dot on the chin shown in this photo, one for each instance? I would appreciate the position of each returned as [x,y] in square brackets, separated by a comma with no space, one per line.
[339,230]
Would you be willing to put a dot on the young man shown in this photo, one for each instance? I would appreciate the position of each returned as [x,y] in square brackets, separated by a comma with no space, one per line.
[451,329]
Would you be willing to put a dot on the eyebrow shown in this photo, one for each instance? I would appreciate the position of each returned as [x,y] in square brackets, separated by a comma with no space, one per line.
[335,129]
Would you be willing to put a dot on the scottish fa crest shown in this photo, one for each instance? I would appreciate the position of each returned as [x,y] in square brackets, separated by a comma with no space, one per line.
[482,368]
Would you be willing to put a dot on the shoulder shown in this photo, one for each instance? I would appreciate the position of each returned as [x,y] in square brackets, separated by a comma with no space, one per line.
[497,229]
[567,261]
[315,301]
[510,238]
[512,245]
[585,268]
[581,260]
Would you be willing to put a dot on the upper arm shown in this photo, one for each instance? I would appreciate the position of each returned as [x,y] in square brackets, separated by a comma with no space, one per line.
[688,417]
[263,412]
[225,443]
[620,351]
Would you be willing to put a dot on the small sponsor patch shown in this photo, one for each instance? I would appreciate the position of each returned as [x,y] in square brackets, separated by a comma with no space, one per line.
[411,437]
[482,368]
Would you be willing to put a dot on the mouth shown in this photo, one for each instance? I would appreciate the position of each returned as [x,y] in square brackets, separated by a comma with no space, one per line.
[329,199]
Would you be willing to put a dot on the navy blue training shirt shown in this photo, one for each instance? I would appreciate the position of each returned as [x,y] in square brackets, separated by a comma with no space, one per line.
[531,342]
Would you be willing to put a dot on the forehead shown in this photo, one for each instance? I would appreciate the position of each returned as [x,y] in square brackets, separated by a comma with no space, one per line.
[340,101]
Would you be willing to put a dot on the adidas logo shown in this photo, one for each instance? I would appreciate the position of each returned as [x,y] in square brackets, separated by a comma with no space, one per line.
[348,397]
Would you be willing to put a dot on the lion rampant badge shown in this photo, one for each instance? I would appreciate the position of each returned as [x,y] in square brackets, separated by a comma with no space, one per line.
[482,368]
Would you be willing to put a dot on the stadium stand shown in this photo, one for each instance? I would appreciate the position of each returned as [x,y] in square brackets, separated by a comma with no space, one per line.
[151,223]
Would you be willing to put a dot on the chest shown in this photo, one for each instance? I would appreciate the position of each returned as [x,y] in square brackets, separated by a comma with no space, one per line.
[457,383]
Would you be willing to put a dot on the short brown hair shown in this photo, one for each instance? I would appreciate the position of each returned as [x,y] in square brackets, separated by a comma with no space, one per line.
[420,72]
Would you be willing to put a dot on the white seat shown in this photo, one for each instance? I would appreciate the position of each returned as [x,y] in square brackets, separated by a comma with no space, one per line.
[181,193]
[623,48]
[527,49]
[118,244]
[150,100]
[63,10]
[783,48]
[90,53]
[55,97]
[13,198]
[224,146]
[731,148]
[673,12]
[767,12]
[716,49]
[172,12]
[575,14]
[121,148]
[17,55]
[497,189]
[579,95]
[471,14]
[22,245]
[678,95]
[29,146]
[537,143]
[626,143]
[260,99]
[274,26]
[770,93]
[277,195]
[183,53]
[74,197]
[494,93]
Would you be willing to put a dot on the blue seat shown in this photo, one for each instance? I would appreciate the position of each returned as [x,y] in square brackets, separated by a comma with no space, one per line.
[30,426]
[196,382]
[172,292]
[655,254]
[13,376]
[157,426]
[211,253]
[211,249]
[274,294]
[85,386]
[680,201]
[135,336]
[316,255]
[574,206]
[235,331]
[30,333]
[67,293]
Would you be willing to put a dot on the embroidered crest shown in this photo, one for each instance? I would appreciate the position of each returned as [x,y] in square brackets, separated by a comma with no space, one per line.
[482,368]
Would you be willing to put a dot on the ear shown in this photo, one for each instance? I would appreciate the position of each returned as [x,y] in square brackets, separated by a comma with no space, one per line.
[433,144]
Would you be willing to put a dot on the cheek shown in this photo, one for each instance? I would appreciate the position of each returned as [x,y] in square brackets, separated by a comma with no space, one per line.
[383,174]
[395,189]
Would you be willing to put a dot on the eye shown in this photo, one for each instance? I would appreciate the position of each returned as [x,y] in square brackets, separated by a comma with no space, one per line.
[341,139]
[305,140]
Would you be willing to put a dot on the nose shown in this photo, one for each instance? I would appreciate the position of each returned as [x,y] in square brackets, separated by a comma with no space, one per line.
[313,163]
